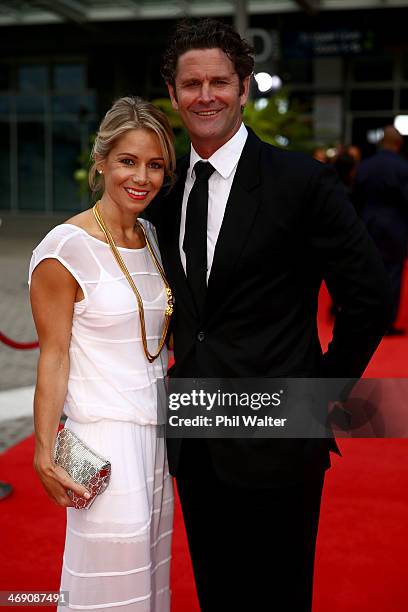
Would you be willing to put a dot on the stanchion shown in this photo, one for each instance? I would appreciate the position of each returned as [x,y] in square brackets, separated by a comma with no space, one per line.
[18,345]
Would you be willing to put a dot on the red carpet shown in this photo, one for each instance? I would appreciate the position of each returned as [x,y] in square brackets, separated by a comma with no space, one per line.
[32,535]
[361,554]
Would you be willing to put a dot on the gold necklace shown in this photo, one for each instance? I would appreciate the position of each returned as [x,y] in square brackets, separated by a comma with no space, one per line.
[170,302]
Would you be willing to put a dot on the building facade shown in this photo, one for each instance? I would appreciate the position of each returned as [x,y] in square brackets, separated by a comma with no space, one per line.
[347,70]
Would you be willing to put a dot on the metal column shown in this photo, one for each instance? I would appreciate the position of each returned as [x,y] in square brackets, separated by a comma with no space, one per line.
[241,17]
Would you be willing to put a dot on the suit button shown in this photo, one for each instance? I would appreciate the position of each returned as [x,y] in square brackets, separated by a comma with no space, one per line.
[200,336]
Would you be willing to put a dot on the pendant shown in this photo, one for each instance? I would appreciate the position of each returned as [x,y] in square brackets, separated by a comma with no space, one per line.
[170,303]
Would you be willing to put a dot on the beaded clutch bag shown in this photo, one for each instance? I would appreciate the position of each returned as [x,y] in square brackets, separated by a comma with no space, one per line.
[83,464]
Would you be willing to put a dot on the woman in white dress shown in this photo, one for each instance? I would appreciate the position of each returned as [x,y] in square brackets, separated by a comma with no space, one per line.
[95,366]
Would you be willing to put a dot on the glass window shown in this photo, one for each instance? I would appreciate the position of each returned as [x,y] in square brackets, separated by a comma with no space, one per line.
[69,77]
[4,166]
[89,103]
[299,70]
[4,105]
[32,78]
[30,105]
[66,151]
[371,99]
[31,166]
[405,66]
[373,68]
[66,104]
[301,101]
[5,77]
[404,99]
[79,105]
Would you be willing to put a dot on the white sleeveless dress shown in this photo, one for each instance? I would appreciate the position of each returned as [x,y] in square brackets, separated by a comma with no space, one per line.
[117,553]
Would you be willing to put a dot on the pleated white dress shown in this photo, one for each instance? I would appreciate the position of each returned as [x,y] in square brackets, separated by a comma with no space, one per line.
[117,553]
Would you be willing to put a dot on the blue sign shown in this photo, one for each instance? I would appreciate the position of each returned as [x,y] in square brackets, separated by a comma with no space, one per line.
[328,43]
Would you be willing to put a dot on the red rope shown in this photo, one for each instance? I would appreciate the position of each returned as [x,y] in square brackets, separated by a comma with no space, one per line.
[18,345]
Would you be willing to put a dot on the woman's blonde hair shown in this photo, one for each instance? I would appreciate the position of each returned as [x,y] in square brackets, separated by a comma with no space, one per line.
[131,113]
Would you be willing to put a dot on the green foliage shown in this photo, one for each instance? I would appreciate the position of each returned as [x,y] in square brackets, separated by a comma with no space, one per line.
[181,139]
[280,123]
[85,162]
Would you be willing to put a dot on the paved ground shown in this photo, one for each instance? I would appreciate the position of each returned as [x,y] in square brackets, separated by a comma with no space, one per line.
[18,236]
[13,431]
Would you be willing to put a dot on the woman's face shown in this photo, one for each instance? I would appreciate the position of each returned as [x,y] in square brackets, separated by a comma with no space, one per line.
[133,171]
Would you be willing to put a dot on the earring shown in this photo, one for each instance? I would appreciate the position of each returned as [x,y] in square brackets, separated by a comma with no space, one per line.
[100,171]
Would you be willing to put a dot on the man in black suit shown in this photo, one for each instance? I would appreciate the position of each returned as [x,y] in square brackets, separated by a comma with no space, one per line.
[272,225]
[381,193]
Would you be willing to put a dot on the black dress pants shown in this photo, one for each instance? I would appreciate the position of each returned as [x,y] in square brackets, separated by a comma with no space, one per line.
[252,549]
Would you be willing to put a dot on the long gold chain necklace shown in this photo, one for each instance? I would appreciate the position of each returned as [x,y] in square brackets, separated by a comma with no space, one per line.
[170,302]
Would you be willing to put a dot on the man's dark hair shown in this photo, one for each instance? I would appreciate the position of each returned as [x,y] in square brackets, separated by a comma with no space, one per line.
[207,34]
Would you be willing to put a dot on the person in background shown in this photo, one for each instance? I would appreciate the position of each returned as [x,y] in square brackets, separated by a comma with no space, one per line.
[345,167]
[381,195]
[320,155]
[355,153]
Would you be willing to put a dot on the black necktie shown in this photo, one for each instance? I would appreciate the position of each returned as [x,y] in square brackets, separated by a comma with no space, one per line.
[195,235]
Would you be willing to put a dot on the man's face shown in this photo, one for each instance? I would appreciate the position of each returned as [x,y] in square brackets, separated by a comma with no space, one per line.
[207,95]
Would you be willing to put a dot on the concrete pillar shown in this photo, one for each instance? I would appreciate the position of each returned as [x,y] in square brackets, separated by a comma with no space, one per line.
[241,17]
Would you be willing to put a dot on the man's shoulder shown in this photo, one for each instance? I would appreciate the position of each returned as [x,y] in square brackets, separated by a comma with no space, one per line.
[367,165]
[270,152]
[382,162]
[293,163]
[289,156]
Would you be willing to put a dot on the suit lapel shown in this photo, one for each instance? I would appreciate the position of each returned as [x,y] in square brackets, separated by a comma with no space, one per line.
[172,233]
[240,212]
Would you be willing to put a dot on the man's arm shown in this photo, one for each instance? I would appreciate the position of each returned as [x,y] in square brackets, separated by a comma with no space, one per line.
[354,274]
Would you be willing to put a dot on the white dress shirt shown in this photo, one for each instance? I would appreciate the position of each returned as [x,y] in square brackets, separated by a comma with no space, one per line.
[225,161]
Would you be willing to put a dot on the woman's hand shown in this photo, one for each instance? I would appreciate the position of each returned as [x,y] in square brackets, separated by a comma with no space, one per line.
[56,481]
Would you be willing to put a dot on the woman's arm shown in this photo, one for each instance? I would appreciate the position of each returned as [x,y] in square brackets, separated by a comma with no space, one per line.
[53,291]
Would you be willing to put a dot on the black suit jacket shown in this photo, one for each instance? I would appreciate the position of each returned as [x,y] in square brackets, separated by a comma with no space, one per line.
[287,226]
